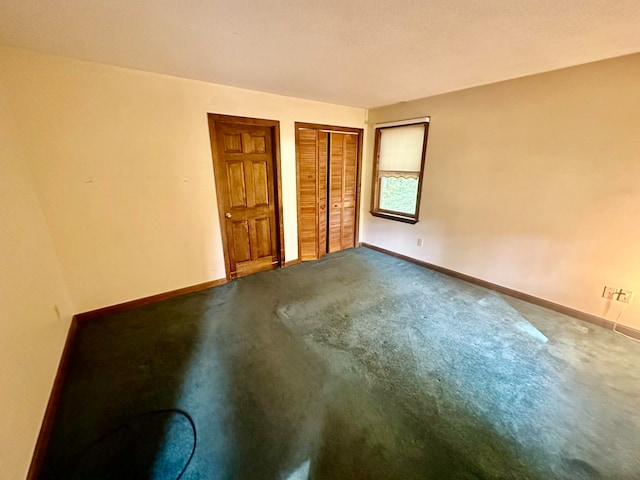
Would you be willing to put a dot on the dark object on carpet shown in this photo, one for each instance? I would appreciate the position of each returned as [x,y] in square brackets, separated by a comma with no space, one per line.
[358,366]
[126,451]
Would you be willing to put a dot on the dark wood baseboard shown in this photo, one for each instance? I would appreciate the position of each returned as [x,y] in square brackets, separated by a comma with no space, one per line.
[44,436]
[37,461]
[47,423]
[291,263]
[123,307]
[587,317]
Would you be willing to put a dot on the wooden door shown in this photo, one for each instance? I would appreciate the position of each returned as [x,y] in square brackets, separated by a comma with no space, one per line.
[342,192]
[312,193]
[328,177]
[243,158]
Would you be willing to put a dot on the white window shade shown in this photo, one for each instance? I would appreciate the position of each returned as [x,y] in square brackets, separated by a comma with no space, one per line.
[401,148]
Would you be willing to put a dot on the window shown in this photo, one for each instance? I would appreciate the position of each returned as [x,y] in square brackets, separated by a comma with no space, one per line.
[397,174]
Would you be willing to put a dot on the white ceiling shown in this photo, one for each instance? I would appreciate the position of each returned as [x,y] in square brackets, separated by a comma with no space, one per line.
[362,53]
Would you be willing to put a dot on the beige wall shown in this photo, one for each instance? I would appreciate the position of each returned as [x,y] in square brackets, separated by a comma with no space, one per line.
[107,183]
[533,184]
[122,161]
[34,308]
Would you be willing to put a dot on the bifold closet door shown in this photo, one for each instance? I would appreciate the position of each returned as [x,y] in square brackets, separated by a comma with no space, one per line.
[312,193]
[342,191]
[327,192]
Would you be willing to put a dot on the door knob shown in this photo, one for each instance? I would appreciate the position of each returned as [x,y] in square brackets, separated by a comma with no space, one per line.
[228,215]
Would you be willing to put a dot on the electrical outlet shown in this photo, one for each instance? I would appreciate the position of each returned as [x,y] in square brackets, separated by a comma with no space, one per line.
[624,296]
[419,242]
[618,294]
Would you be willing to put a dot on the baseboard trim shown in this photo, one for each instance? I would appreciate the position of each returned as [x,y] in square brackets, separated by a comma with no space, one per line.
[587,317]
[291,263]
[37,460]
[123,307]
[44,437]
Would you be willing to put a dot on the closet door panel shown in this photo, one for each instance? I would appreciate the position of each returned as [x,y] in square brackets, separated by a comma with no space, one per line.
[336,191]
[350,179]
[327,170]
[308,194]
[323,139]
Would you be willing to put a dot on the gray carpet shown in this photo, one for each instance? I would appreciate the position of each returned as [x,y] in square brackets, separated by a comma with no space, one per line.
[359,366]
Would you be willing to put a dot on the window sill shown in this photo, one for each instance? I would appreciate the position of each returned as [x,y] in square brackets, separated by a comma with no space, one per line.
[397,218]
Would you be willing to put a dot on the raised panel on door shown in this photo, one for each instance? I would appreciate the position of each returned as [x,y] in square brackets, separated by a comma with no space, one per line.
[260,183]
[263,237]
[232,142]
[237,184]
[244,167]
[241,241]
[255,143]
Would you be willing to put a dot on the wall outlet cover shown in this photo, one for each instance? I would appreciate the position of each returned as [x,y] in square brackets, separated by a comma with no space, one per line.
[609,292]
[624,296]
